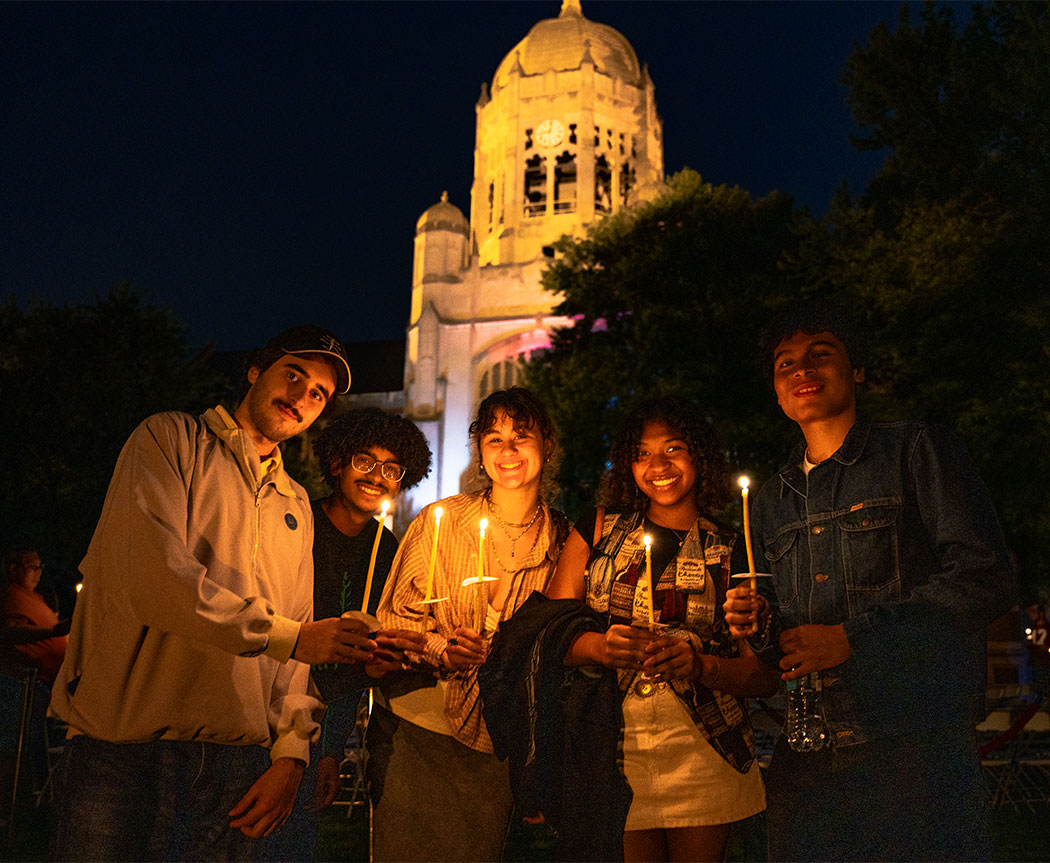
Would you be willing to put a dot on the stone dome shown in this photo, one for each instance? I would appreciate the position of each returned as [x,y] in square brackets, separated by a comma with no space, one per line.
[443,216]
[562,43]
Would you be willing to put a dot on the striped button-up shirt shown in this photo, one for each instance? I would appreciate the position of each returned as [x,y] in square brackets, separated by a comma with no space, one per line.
[456,559]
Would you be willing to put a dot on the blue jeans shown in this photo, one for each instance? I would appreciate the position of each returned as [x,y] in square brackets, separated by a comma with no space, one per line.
[914,797]
[162,800]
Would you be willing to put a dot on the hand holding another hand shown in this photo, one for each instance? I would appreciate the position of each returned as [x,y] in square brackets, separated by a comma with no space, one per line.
[670,658]
[625,647]
[391,645]
[334,639]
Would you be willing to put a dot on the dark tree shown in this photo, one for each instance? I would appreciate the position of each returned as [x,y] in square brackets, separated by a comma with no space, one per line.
[947,252]
[666,300]
[76,380]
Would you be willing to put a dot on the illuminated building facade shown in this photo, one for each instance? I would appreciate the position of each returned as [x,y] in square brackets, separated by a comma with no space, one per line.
[567,133]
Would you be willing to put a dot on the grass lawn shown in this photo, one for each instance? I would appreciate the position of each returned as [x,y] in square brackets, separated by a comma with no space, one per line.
[1017,835]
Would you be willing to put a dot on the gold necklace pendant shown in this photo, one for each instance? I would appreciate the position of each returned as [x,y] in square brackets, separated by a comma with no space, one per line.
[502,524]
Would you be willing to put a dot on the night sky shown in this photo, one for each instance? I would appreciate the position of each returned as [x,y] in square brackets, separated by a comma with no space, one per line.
[255,165]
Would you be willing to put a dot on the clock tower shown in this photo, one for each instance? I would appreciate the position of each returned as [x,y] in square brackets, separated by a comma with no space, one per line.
[566,134]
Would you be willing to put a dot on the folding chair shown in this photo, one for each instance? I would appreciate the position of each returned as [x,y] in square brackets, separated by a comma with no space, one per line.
[25,681]
[353,781]
[1032,755]
[998,766]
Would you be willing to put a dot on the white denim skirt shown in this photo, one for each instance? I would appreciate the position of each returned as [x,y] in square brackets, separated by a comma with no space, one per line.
[677,778]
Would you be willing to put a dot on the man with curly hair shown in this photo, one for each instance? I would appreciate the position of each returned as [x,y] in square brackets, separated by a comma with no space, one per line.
[366,456]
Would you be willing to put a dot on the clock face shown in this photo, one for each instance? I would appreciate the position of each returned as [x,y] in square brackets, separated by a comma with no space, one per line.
[550,133]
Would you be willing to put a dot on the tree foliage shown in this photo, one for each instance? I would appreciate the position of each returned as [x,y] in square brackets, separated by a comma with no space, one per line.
[945,257]
[76,380]
[665,299]
[947,253]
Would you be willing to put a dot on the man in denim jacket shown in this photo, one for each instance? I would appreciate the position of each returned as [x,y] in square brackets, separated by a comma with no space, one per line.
[888,564]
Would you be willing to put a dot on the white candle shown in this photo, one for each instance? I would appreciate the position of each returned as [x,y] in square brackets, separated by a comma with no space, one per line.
[744,484]
[648,542]
[479,613]
[438,512]
[372,559]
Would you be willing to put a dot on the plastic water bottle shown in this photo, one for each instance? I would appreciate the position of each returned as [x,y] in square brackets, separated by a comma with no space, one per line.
[804,723]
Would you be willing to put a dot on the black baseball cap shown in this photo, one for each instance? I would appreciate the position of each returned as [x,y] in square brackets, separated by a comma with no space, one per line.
[308,339]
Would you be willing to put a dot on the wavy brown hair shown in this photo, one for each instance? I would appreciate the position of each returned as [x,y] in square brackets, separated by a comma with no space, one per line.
[526,411]
[619,491]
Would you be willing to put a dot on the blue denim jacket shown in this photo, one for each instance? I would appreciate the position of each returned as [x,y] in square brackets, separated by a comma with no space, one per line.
[895,538]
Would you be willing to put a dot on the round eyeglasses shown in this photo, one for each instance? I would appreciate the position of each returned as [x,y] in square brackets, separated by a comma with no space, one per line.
[362,462]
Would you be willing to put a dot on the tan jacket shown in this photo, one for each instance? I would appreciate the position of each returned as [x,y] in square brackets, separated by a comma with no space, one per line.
[196,582]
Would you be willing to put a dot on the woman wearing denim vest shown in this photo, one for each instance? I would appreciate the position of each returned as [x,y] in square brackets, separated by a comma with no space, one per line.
[688,748]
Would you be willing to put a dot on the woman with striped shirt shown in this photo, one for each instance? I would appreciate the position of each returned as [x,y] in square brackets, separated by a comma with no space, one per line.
[438,791]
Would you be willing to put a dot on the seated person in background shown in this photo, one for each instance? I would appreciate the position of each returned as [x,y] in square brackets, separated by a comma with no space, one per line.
[23,608]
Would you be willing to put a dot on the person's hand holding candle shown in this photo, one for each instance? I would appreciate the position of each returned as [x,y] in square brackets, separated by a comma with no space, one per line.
[465,648]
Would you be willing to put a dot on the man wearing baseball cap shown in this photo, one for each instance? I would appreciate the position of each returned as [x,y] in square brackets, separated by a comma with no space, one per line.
[185,684]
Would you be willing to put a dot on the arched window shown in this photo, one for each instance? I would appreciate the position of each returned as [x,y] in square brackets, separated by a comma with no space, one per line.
[535,186]
[602,185]
[627,178]
[565,183]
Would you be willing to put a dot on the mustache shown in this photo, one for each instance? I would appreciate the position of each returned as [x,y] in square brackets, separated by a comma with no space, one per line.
[285,406]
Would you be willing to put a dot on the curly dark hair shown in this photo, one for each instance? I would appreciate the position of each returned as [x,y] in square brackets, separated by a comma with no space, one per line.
[619,491]
[812,316]
[356,430]
[527,411]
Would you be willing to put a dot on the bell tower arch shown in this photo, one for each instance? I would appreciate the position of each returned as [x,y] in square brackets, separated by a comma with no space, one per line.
[567,133]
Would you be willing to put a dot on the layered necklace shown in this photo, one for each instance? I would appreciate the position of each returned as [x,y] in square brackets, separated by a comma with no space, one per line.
[506,528]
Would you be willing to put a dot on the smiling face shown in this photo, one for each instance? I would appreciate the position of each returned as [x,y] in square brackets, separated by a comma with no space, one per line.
[664,471]
[284,399]
[363,493]
[511,455]
[814,380]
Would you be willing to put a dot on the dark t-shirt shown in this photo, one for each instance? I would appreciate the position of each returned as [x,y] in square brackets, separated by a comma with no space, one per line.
[341,566]
[340,572]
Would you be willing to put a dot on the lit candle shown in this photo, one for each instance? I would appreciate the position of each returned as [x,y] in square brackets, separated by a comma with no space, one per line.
[438,512]
[372,559]
[479,613]
[648,542]
[744,483]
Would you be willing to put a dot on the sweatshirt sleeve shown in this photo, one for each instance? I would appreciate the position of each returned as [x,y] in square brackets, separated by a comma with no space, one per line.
[163,583]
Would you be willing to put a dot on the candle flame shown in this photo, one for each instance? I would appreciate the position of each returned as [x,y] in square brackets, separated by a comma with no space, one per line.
[80,586]
[438,512]
[484,525]
[385,506]
[647,540]
[744,482]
